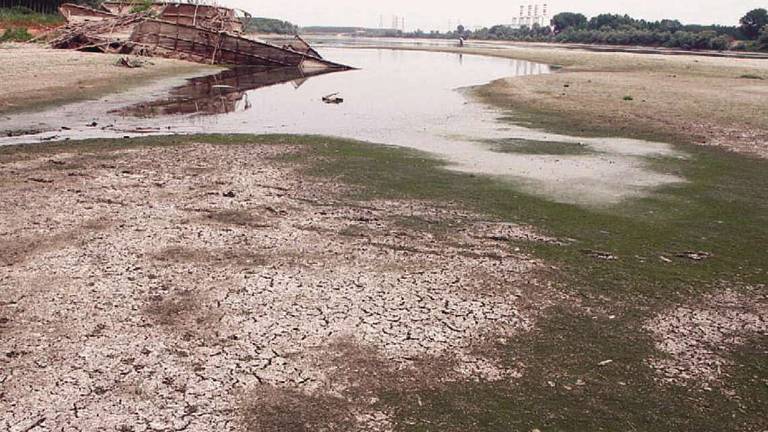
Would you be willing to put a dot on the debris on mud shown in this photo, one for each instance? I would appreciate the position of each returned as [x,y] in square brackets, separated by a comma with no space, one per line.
[607,256]
[695,256]
[132,62]
[333,99]
[192,32]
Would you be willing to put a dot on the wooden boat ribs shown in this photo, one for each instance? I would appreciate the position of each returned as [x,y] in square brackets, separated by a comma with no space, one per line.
[198,33]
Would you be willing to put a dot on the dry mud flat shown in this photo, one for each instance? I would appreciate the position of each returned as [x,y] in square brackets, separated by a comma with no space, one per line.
[696,338]
[207,287]
[34,75]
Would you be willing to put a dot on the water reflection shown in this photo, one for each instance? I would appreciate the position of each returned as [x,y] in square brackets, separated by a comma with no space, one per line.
[223,93]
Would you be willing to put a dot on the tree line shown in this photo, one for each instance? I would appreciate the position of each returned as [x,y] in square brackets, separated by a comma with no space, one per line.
[51,7]
[613,29]
[269,25]
[45,7]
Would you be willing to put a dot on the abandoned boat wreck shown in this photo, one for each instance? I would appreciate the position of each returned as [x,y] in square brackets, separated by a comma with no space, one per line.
[197,33]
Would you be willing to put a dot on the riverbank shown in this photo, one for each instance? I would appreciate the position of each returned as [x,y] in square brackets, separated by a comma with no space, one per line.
[681,99]
[273,283]
[33,76]
[219,282]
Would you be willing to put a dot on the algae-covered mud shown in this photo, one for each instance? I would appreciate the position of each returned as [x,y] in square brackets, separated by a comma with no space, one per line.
[223,282]
[417,100]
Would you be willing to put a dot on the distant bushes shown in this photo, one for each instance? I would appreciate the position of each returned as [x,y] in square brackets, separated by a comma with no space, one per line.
[681,39]
[613,29]
[762,41]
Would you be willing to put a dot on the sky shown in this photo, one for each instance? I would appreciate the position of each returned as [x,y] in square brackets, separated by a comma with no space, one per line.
[438,15]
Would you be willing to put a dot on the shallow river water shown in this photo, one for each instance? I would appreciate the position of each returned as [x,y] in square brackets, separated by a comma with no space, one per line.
[403,98]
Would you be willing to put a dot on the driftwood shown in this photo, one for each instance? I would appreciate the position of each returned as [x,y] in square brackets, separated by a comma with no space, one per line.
[94,33]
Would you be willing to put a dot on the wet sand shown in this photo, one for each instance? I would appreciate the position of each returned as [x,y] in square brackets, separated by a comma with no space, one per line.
[33,76]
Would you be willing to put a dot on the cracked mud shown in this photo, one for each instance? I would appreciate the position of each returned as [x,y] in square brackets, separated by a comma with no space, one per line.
[208,287]
[697,338]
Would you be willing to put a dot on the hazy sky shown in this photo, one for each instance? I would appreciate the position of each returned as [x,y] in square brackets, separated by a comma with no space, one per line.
[434,14]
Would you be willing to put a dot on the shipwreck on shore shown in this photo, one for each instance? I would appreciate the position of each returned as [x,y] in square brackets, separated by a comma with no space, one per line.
[198,33]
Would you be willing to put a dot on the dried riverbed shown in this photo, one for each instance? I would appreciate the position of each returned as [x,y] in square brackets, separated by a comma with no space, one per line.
[157,288]
[308,283]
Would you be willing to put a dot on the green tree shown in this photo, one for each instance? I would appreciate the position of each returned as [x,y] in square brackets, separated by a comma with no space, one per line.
[610,21]
[462,32]
[566,20]
[753,22]
[762,41]
[670,26]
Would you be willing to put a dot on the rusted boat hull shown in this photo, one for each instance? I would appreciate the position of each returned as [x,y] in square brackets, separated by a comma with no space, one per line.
[204,46]
[296,43]
[198,33]
[127,8]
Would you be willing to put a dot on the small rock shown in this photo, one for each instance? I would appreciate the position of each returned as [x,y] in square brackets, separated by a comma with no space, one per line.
[230,194]
[605,363]
[607,256]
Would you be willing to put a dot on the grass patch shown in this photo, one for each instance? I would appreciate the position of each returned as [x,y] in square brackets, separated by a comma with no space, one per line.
[15,35]
[573,123]
[532,147]
[20,16]
[142,6]
[722,210]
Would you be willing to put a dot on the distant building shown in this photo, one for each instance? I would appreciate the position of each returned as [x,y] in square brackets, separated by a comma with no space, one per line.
[532,13]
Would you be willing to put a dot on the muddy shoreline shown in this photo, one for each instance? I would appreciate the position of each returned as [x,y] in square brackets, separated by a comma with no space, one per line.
[34,77]
[659,97]
[218,282]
